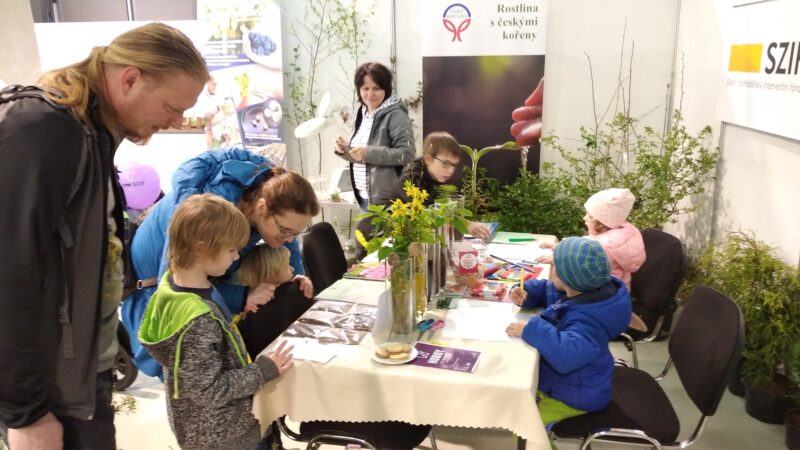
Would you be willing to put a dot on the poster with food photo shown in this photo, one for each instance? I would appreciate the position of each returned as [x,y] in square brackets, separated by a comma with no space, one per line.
[243,102]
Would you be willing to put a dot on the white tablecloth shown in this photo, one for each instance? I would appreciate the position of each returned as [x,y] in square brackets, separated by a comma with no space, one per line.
[500,393]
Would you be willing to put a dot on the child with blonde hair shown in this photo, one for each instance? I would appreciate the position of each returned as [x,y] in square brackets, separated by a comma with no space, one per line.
[265,264]
[188,329]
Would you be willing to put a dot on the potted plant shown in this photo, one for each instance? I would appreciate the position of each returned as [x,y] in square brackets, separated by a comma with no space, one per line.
[792,420]
[473,180]
[768,291]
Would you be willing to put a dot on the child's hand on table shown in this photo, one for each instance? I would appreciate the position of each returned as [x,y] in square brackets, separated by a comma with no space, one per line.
[282,357]
[478,230]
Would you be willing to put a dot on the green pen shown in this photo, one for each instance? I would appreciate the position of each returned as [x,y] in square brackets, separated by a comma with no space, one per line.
[521,239]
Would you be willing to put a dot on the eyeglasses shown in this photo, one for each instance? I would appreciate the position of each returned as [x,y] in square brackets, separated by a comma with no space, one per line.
[286,233]
[447,164]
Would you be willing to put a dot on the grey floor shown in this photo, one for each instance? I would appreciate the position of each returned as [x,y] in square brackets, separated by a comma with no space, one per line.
[730,429]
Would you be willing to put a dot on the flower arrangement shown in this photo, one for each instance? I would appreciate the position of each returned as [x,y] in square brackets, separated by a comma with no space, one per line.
[402,223]
[402,230]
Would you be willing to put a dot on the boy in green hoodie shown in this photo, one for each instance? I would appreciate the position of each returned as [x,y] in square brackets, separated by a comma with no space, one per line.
[187,328]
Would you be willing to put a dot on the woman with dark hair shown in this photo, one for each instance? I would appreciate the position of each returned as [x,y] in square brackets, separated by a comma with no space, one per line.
[278,205]
[382,141]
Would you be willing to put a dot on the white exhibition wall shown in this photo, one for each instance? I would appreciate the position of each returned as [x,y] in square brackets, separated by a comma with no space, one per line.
[579,29]
[19,61]
[758,181]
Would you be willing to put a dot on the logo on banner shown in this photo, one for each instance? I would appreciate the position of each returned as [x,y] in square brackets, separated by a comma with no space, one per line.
[456,19]
[783,58]
[745,58]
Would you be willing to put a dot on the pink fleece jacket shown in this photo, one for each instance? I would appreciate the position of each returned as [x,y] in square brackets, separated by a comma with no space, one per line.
[625,249]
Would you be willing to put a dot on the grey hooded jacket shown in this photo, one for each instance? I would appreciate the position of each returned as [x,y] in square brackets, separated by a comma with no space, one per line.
[390,147]
[209,380]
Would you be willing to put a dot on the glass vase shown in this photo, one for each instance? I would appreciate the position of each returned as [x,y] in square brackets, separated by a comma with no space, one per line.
[402,289]
[418,252]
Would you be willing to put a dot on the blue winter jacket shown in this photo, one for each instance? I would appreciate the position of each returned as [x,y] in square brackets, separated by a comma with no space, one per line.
[223,172]
[572,336]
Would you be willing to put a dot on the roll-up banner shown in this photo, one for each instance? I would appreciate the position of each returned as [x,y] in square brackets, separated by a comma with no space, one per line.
[482,60]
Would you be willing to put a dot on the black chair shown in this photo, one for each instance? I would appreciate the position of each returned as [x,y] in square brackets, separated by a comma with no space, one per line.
[653,287]
[323,256]
[372,435]
[705,348]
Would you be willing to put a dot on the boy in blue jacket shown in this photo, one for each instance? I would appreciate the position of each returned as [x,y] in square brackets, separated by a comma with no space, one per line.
[585,307]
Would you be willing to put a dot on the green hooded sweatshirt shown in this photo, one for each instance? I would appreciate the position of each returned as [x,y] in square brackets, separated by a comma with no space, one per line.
[210,382]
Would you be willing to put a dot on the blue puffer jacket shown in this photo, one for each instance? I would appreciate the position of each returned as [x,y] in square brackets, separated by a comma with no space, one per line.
[223,172]
[572,337]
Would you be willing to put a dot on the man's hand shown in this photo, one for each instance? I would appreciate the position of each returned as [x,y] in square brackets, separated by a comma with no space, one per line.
[282,357]
[261,295]
[515,329]
[44,434]
[305,285]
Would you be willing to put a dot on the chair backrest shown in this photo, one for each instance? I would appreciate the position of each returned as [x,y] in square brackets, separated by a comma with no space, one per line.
[323,256]
[655,284]
[706,345]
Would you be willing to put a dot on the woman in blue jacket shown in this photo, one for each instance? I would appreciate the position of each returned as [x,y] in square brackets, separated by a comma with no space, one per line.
[278,204]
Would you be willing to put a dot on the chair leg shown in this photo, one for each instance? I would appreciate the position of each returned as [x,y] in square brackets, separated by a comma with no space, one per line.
[432,438]
[630,344]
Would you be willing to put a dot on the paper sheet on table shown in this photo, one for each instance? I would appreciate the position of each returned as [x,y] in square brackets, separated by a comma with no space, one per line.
[479,320]
[517,253]
[308,349]
[354,291]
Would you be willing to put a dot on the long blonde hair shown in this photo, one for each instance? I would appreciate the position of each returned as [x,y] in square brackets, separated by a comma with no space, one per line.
[155,49]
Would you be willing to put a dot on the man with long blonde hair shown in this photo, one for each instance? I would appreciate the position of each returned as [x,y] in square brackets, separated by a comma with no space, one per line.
[61,279]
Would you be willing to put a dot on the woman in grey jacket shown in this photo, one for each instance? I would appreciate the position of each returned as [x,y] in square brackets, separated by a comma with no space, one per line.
[382,141]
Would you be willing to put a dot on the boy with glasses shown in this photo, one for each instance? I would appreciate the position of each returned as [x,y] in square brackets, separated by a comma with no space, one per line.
[434,168]
[441,157]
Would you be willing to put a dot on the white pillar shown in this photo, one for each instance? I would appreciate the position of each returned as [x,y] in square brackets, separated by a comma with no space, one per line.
[19,56]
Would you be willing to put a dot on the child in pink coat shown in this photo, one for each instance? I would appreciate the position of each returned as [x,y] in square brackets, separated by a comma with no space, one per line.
[606,219]
[607,222]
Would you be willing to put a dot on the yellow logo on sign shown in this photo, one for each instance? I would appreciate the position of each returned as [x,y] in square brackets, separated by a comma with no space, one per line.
[745,58]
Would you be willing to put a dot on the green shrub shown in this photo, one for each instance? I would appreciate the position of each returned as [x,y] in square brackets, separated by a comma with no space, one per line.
[768,292]
[660,169]
[536,205]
